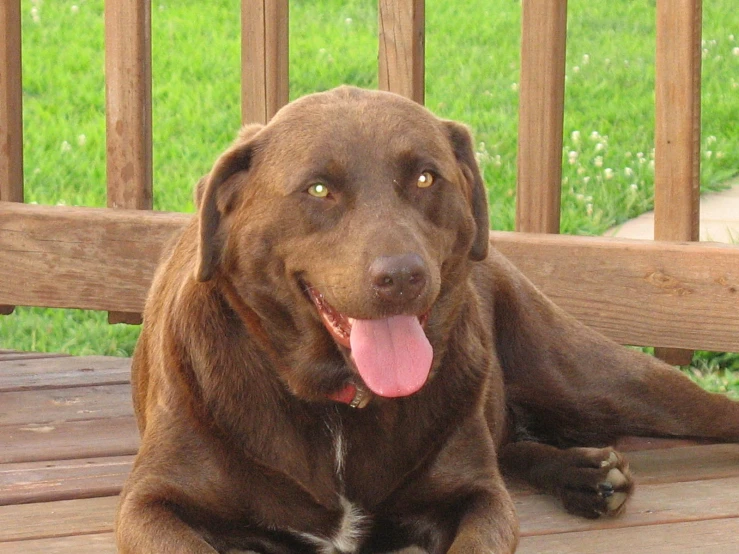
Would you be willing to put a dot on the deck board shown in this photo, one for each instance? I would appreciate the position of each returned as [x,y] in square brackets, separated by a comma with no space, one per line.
[68,437]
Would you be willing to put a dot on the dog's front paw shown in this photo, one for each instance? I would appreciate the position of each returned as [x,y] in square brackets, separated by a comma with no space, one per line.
[596,482]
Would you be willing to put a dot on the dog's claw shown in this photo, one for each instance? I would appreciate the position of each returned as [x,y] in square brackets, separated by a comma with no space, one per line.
[605,490]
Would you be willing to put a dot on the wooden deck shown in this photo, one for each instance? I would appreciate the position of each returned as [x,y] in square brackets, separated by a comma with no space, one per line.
[68,436]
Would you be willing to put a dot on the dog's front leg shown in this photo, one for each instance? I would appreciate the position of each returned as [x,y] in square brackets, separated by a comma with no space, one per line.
[490,525]
[145,527]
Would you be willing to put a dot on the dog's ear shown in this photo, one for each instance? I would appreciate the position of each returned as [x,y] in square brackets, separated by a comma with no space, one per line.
[215,197]
[461,141]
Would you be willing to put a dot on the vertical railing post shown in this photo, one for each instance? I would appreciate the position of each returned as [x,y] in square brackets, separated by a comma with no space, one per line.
[11,108]
[401,63]
[541,113]
[128,110]
[264,59]
[677,130]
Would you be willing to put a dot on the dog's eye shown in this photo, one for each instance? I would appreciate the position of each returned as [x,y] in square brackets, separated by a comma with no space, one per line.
[319,190]
[425,180]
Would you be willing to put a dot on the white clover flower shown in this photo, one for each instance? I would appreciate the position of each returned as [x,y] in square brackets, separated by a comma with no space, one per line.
[608,173]
[628,154]
[598,161]
[735,50]
[581,170]
[599,146]
[35,17]
[576,69]
[731,38]
[711,139]
[575,136]
[348,20]
[709,153]
[585,59]
[586,180]
[595,135]
[75,8]
[572,157]
[651,165]
[514,87]
[633,187]
[589,209]
[81,140]
[66,147]
[628,172]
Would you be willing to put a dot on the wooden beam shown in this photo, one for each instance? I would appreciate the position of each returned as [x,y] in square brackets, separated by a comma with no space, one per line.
[541,113]
[637,292]
[88,258]
[644,293]
[677,129]
[128,111]
[11,108]
[402,47]
[264,59]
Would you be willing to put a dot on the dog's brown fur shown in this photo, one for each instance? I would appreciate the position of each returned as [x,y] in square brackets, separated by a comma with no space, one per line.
[243,447]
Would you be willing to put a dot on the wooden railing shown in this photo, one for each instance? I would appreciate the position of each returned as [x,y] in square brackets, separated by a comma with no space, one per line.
[669,293]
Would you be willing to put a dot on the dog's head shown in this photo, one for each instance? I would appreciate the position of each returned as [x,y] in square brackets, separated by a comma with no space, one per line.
[347,224]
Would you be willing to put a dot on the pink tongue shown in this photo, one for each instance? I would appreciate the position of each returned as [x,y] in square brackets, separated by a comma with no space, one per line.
[393,355]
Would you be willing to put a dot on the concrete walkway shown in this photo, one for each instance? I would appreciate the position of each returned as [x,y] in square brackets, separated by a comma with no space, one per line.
[719,219]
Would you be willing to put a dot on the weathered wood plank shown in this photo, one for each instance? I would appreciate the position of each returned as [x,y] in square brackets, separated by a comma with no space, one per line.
[637,292]
[402,46]
[72,371]
[11,103]
[96,543]
[94,438]
[128,103]
[48,481]
[677,130]
[264,54]
[52,406]
[651,505]
[541,115]
[87,258]
[128,111]
[8,355]
[11,109]
[686,463]
[677,114]
[57,519]
[718,536]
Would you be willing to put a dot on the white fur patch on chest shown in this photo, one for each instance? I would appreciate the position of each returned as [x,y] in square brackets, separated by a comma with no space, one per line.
[347,539]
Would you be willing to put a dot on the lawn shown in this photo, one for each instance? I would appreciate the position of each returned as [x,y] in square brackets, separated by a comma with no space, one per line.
[472,74]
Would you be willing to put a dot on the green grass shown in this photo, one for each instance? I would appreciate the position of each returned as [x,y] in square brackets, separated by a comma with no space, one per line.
[472,76]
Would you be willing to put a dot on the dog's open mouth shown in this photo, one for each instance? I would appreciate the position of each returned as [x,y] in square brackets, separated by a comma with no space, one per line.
[392,355]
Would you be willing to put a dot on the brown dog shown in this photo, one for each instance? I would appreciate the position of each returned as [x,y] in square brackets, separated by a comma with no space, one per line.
[334,360]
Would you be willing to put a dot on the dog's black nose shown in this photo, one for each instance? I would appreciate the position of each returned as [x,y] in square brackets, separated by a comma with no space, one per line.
[398,278]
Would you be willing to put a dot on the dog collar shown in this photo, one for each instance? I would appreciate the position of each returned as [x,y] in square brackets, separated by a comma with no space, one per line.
[353,396]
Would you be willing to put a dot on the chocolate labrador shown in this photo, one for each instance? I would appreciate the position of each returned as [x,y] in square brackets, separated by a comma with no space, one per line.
[335,360]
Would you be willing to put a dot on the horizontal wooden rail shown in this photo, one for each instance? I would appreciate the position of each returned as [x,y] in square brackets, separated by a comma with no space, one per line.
[682,295]
[89,258]
[636,292]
